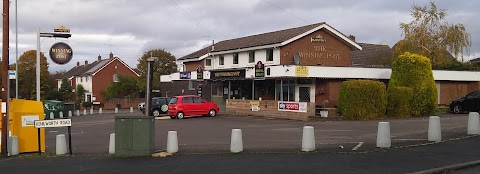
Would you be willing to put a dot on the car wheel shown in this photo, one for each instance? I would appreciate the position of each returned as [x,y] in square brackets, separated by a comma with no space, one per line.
[180,115]
[212,113]
[156,113]
[457,109]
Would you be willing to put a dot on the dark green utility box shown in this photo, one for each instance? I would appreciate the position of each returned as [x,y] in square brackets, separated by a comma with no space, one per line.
[134,135]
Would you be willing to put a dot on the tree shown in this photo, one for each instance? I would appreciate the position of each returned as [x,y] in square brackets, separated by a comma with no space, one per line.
[66,90]
[126,87]
[164,66]
[80,94]
[27,75]
[415,71]
[430,36]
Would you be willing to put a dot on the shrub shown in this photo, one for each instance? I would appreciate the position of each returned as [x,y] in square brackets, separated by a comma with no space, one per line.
[87,104]
[399,99]
[415,71]
[362,100]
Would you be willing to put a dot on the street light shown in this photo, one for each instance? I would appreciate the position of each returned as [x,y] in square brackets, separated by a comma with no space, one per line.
[59,35]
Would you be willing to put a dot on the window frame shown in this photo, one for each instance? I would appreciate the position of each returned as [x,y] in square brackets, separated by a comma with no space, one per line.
[269,55]
[115,78]
[208,60]
[251,57]
[221,60]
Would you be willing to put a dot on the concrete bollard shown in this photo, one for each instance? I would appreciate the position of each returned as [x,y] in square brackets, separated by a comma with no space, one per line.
[51,116]
[100,110]
[131,109]
[236,143]
[13,145]
[384,140]
[84,112]
[60,114]
[308,139]
[61,145]
[111,145]
[91,110]
[116,110]
[69,113]
[78,113]
[434,129]
[473,123]
[172,142]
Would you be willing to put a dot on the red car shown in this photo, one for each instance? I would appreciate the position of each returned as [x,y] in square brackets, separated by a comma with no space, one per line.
[191,105]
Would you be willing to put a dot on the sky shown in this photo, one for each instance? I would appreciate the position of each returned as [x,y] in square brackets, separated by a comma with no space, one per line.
[129,28]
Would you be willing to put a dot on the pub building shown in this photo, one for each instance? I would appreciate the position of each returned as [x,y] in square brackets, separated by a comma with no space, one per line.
[291,73]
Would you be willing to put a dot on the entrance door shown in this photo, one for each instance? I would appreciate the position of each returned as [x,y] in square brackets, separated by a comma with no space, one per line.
[218,95]
[304,94]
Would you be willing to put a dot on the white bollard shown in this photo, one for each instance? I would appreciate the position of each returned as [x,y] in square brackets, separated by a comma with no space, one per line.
[60,114]
[172,142]
[91,110]
[61,145]
[100,110]
[308,139]
[69,113]
[473,123]
[434,129]
[116,110]
[13,145]
[84,112]
[131,109]
[384,140]
[111,145]
[51,116]
[236,143]
[78,113]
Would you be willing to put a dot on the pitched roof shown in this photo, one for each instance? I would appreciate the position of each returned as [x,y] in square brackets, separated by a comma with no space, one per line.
[370,55]
[85,69]
[270,38]
[476,60]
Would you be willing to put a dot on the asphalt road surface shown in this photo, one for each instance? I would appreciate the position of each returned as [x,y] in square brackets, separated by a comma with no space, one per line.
[90,133]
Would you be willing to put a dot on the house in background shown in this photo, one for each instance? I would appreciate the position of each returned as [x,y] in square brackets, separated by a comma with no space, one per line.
[96,76]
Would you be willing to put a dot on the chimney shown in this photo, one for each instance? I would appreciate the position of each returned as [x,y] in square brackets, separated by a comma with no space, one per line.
[352,37]
[86,62]
[99,57]
[111,55]
[78,63]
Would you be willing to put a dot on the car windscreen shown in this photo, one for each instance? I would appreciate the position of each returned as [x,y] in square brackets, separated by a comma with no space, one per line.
[173,100]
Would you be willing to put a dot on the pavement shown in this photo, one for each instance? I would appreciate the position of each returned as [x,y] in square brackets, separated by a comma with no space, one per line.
[270,146]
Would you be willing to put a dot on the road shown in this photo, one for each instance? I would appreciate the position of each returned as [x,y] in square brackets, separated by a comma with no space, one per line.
[90,133]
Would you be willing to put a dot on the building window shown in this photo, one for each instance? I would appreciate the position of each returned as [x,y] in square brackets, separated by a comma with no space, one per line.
[251,57]
[221,60]
[208,62]
[235,58]
[115,78]
[81,79]
[86,79]
[191,85]
[269,54]
[184,67]
[285,90]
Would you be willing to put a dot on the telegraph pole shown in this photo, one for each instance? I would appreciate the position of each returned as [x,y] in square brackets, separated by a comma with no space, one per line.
[5,80]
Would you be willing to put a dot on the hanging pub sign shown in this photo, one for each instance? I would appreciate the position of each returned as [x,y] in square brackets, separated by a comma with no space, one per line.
[186,75]
[199,73]
[259,70]
[61,53]
[228,74]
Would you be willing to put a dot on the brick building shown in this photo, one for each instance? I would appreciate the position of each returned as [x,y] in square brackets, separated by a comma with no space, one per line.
[302,68]
[96,76]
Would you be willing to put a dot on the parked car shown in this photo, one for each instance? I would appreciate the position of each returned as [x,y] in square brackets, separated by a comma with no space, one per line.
[159,106]
[468,103]
[191,105]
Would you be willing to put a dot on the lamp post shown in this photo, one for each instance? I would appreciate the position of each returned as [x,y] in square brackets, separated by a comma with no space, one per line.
[148,102]
[56,35]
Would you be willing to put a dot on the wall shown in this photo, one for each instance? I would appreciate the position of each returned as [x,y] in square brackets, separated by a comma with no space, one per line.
[104,77]
[268,109]
[451,90]
[192,66]
[332,52]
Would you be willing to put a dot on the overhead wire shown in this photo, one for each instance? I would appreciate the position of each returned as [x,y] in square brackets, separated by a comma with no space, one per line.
[205,29]
[286,11]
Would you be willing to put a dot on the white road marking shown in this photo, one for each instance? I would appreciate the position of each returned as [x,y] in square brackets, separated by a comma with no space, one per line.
[358,146]
[52,131]
[411,139]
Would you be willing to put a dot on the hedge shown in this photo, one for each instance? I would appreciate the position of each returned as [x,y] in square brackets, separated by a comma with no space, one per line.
[415,71]
[362,100]
[399,99]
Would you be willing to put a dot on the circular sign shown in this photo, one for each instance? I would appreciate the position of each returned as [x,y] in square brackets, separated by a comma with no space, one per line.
[164,108]
[61,53]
